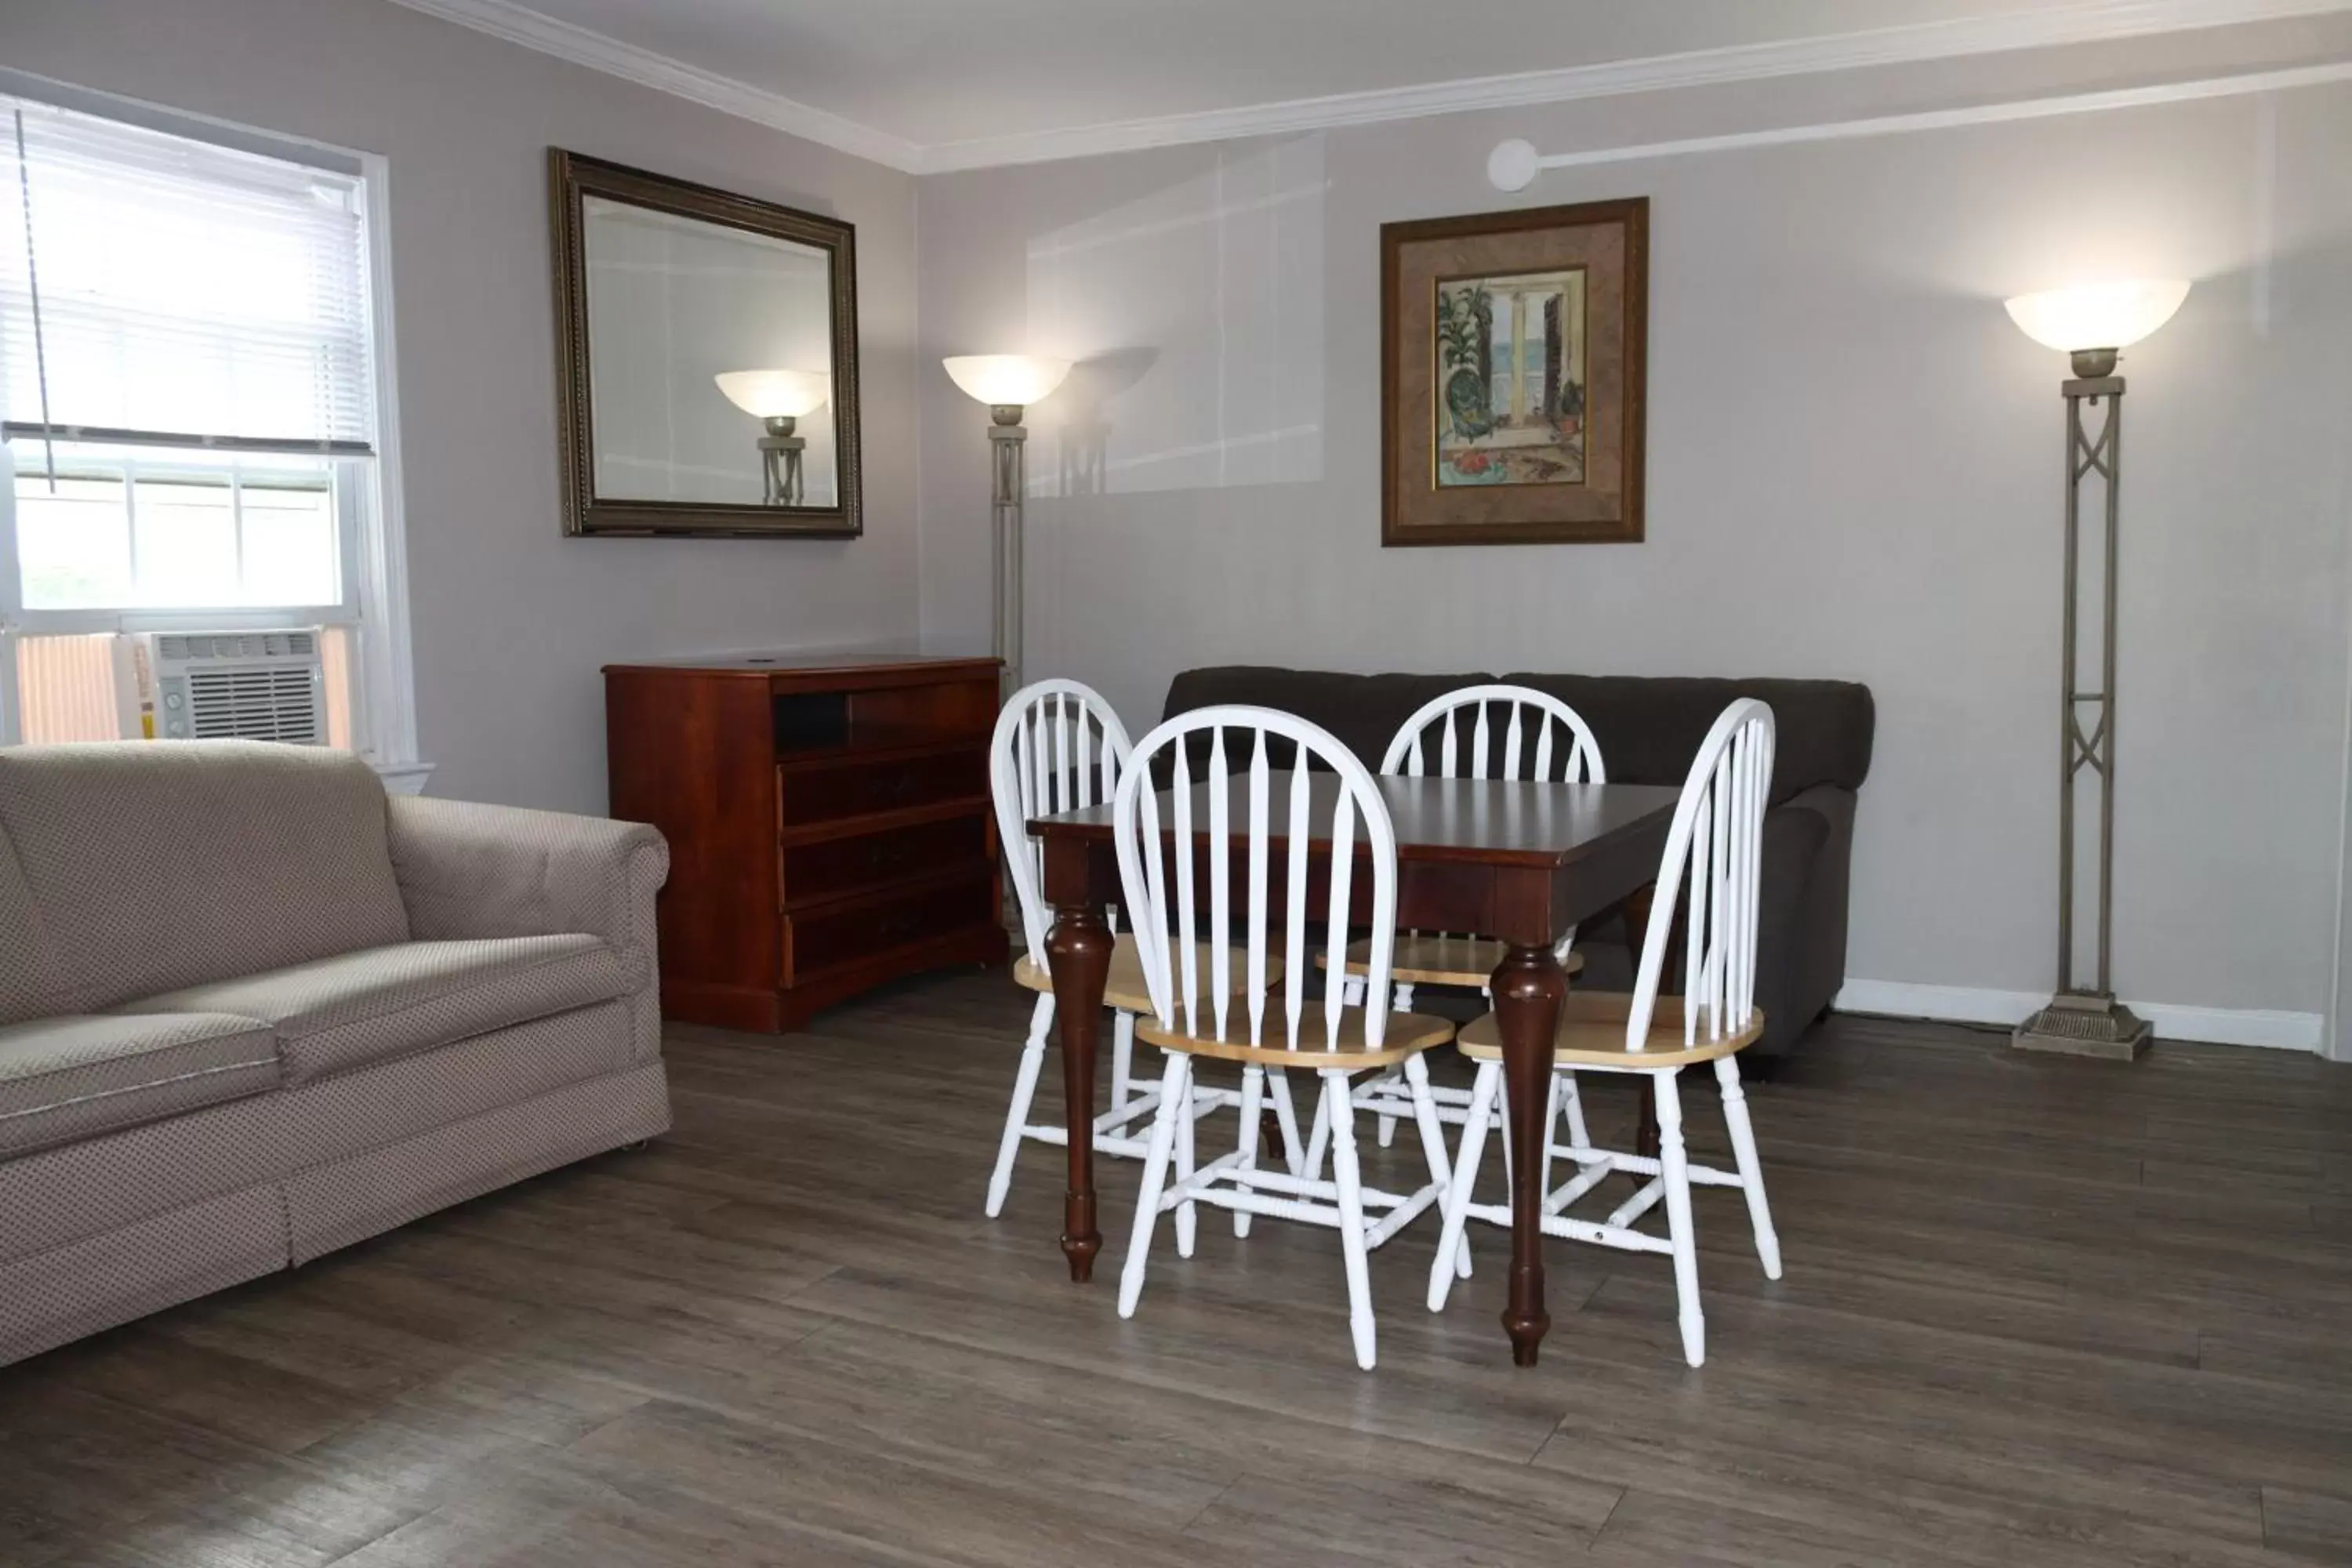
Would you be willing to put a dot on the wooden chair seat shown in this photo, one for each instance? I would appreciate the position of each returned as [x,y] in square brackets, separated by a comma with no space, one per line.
[1592,1034]
[1437,958]
[1407,1035]
[1127,990]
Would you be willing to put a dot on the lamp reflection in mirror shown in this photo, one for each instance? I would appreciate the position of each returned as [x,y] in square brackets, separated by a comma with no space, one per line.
[2091,322]
[1007,384]
[779,399]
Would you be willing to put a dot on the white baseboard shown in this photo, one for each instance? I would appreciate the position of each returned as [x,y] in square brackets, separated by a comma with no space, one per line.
[1972,1004]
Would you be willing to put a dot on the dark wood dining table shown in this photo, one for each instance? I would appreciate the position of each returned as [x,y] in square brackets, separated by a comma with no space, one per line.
[1515,861]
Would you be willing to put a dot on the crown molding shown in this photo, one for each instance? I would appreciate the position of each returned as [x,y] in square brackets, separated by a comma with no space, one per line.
[519,25]
[2091,21]
[2002,113]
[2045,26]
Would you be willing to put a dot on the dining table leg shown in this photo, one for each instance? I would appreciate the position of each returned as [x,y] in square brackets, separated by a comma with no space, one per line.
[1078,952]
[1528,988]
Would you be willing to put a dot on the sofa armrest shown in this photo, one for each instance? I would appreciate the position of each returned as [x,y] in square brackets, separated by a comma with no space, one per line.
[471,870]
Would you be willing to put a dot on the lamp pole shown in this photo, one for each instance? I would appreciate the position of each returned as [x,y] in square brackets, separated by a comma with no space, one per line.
[1008,384]
[2087,1020]
[1007,444]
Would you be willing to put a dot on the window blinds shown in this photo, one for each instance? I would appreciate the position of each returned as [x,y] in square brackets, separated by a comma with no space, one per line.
[159,290]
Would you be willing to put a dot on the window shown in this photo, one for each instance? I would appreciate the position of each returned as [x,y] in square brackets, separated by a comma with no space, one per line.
[115,528]
[189,378]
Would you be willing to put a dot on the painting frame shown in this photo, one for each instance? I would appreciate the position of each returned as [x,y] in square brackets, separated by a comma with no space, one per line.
[1431,492]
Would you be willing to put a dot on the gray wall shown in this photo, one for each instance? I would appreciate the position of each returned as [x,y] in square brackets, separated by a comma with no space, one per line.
[512,621]
[1853,458]
[1855,466]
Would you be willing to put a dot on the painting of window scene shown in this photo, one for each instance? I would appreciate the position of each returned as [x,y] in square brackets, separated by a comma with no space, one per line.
[1511,379]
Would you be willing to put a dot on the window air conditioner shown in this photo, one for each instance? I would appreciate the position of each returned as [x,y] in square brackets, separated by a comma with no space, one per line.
[221,686]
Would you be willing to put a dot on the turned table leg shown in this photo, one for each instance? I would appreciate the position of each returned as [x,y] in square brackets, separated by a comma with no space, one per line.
[1078,951]
[1528,988]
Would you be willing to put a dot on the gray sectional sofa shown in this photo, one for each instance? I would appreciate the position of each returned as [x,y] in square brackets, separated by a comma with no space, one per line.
[1649,727]
[252,1010]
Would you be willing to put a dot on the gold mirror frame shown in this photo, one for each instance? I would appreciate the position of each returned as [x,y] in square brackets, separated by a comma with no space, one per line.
[572,178]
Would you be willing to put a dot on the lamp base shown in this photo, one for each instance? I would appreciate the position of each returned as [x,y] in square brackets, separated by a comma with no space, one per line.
[2084,1024]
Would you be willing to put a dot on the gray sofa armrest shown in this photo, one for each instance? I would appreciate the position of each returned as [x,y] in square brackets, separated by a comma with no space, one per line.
[471,870]
[466,870]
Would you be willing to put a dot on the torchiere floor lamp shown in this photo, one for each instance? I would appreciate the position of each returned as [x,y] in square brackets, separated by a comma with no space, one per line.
[1007,384]
[2091,322]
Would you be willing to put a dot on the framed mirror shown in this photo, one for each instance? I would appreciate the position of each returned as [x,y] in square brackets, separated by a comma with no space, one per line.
[706,359]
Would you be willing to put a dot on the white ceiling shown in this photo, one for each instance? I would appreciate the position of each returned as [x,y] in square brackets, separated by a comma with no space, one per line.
[911,79]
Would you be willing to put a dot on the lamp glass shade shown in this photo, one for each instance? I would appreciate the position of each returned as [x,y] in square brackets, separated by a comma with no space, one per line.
[2098,315]
[1006,380]
[775,394]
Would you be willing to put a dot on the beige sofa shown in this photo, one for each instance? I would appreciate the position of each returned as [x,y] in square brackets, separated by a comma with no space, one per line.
[252,1010]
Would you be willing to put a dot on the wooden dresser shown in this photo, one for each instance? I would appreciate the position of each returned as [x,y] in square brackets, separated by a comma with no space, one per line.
[828,823]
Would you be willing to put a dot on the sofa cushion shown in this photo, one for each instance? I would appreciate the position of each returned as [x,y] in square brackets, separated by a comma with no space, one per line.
[1650,727]
[355,1009]
[77,1076]
[33,981]
[157,865]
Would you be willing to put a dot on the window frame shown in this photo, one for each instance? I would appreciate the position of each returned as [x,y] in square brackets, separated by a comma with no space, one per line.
[370,520]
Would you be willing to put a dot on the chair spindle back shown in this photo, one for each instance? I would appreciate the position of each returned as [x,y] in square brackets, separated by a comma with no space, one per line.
[1523,751]
[1158,879]
[1057,747]
[1520,751]
[1716,850]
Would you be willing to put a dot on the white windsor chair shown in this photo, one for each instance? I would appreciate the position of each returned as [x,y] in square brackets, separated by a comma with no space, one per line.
[1200,1010]
[1059,747]
[1717,838]
[1512,750]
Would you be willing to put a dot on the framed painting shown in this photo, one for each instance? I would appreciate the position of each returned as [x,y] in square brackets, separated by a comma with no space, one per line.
[1514,358]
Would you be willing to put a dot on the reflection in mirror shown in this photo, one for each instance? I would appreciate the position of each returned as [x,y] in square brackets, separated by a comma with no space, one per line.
[711,366]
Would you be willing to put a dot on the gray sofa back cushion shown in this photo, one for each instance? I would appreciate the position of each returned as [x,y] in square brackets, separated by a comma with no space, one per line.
[159,864]
[1363,711]
[33,982]
[1649,727]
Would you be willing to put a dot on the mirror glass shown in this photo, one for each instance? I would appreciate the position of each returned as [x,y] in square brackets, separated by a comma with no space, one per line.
[710,376]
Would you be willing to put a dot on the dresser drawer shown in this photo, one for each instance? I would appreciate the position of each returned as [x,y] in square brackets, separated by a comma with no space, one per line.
[845,934]
[827,791]
[830,868]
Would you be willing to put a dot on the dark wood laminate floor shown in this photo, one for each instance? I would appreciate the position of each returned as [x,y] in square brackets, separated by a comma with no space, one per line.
[2036,1311]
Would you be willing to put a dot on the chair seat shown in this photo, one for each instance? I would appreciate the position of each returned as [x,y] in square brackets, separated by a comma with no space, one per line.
[1592,1034]
[1407,1034]
[336,1015]
[1438,958]
[77,1075]
[1126,990]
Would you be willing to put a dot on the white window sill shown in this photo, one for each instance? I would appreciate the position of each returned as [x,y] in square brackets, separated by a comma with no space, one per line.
[404,778]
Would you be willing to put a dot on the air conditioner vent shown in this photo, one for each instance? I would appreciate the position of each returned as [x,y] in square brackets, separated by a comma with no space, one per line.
[278,704]
[193,645]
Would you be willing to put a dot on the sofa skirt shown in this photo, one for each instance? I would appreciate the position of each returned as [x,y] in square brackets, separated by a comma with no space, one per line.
[99,1233]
